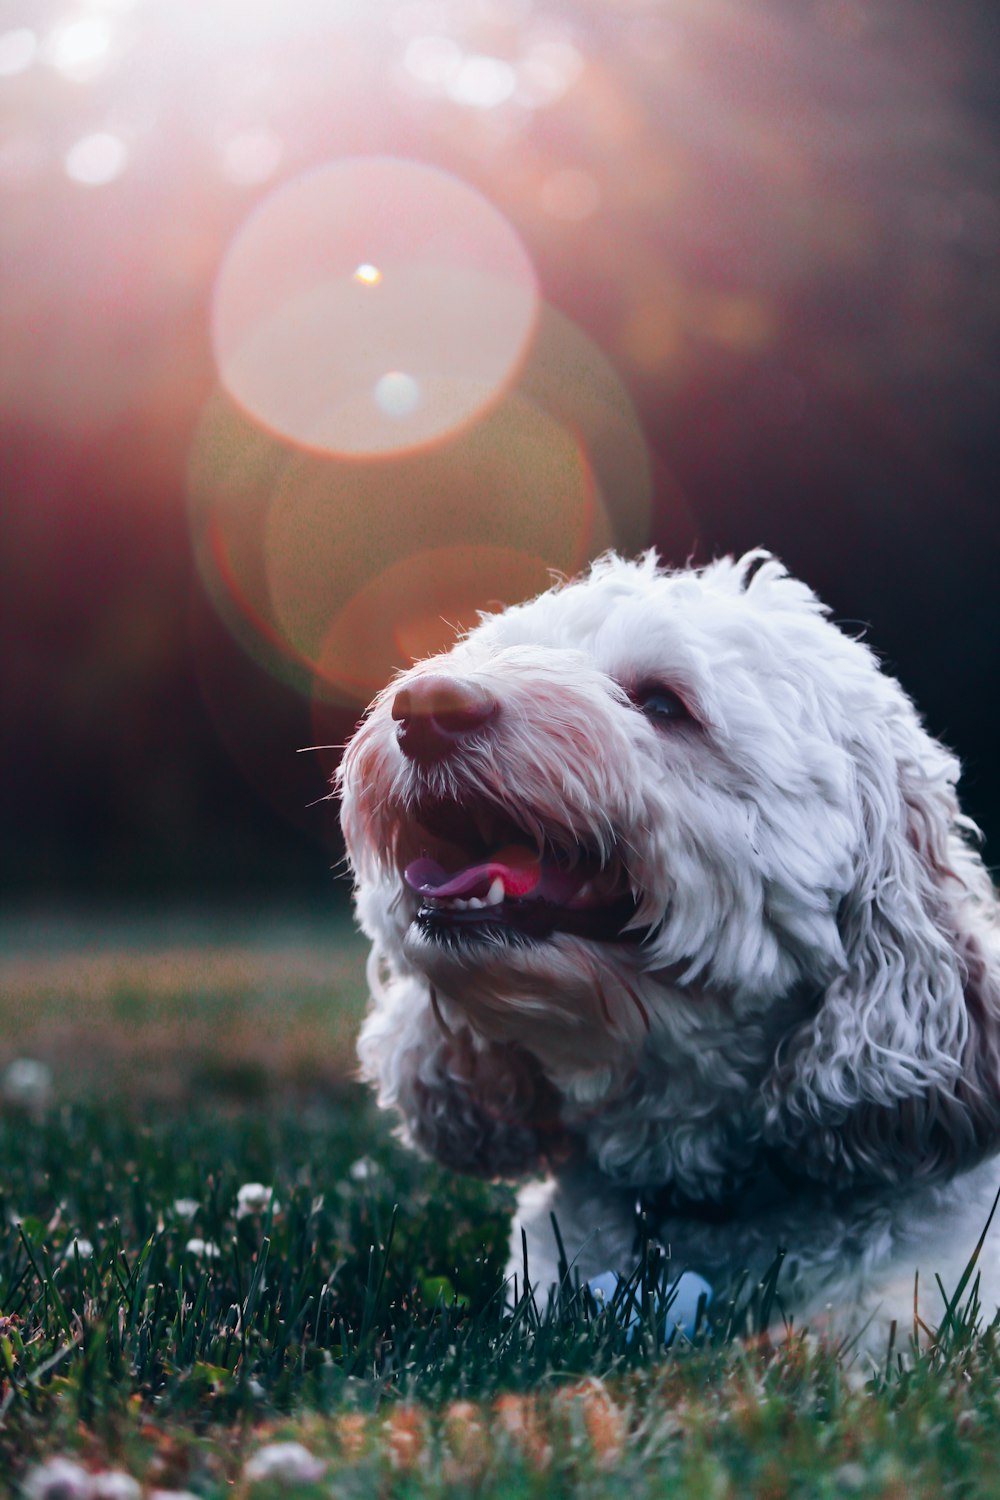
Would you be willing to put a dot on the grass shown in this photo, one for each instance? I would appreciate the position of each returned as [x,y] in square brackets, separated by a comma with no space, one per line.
[157,1322]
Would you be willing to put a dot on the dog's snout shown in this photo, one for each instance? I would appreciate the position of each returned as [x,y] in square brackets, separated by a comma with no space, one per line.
[434,713]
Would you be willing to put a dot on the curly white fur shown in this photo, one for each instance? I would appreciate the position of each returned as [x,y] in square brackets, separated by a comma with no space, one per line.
[799,1046]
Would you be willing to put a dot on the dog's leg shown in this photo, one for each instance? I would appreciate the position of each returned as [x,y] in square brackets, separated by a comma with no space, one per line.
[597,1232]
[596,1226]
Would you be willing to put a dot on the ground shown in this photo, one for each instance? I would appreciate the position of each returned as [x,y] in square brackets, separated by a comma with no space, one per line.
[211,1246]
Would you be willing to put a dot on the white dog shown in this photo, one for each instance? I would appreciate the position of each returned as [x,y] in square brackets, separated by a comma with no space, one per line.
[670,900]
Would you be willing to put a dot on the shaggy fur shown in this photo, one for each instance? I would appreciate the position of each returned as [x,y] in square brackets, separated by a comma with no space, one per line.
[790,1037]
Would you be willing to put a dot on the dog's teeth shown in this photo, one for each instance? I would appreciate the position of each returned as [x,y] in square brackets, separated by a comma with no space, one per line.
[495,894]
[459,903]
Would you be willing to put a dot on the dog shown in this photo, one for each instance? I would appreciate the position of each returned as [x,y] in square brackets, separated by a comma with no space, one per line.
[674,914]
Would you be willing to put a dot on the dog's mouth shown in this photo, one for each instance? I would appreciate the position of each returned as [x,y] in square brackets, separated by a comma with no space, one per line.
[477,872]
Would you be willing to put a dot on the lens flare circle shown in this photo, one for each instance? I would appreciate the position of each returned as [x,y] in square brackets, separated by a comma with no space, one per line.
[360,272]
[332,527]
[288,538]
[416,607]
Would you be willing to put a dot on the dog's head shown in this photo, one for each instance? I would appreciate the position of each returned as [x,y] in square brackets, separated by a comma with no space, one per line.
[677,837]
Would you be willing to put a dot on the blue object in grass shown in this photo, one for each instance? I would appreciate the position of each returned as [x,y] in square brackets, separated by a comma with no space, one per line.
[682,1296]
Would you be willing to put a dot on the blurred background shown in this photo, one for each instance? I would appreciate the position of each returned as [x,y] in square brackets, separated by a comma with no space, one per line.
[325,323]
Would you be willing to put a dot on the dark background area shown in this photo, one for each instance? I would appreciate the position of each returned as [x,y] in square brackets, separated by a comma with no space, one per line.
[780,223]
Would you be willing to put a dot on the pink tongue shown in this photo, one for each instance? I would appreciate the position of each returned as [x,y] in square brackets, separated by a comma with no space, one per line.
[522,873]
[428,878]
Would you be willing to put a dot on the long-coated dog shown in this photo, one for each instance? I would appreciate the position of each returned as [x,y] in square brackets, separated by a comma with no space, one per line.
[671,902]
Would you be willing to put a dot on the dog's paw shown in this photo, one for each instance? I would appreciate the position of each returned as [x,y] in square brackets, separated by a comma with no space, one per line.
[679,1302]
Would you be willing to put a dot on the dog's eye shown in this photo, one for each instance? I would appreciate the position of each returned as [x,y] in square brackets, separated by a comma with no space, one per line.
[660,704]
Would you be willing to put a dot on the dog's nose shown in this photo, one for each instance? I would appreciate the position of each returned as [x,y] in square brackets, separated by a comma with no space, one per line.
[434,713]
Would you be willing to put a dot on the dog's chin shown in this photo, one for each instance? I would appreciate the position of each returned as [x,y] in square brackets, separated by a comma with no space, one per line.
[568,1001]
[518,924]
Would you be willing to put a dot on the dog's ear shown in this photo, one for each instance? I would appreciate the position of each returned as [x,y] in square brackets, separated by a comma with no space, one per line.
[478,1108]
[897,1074]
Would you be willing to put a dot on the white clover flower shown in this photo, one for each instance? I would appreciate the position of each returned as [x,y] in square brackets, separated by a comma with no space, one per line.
[186,1208]
[852,1476]
[81,1246]
[58,1479]
[288,1462]
[255,1198]
[361,1170]
[27,1082]
[857,1375]
[114,1484]
[203,1249]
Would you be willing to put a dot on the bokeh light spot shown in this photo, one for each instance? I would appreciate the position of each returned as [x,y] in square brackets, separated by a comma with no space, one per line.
[81,49]
[96,159]
[300,342]
[397,394]
[549,68]
[18,49]
[482,82]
